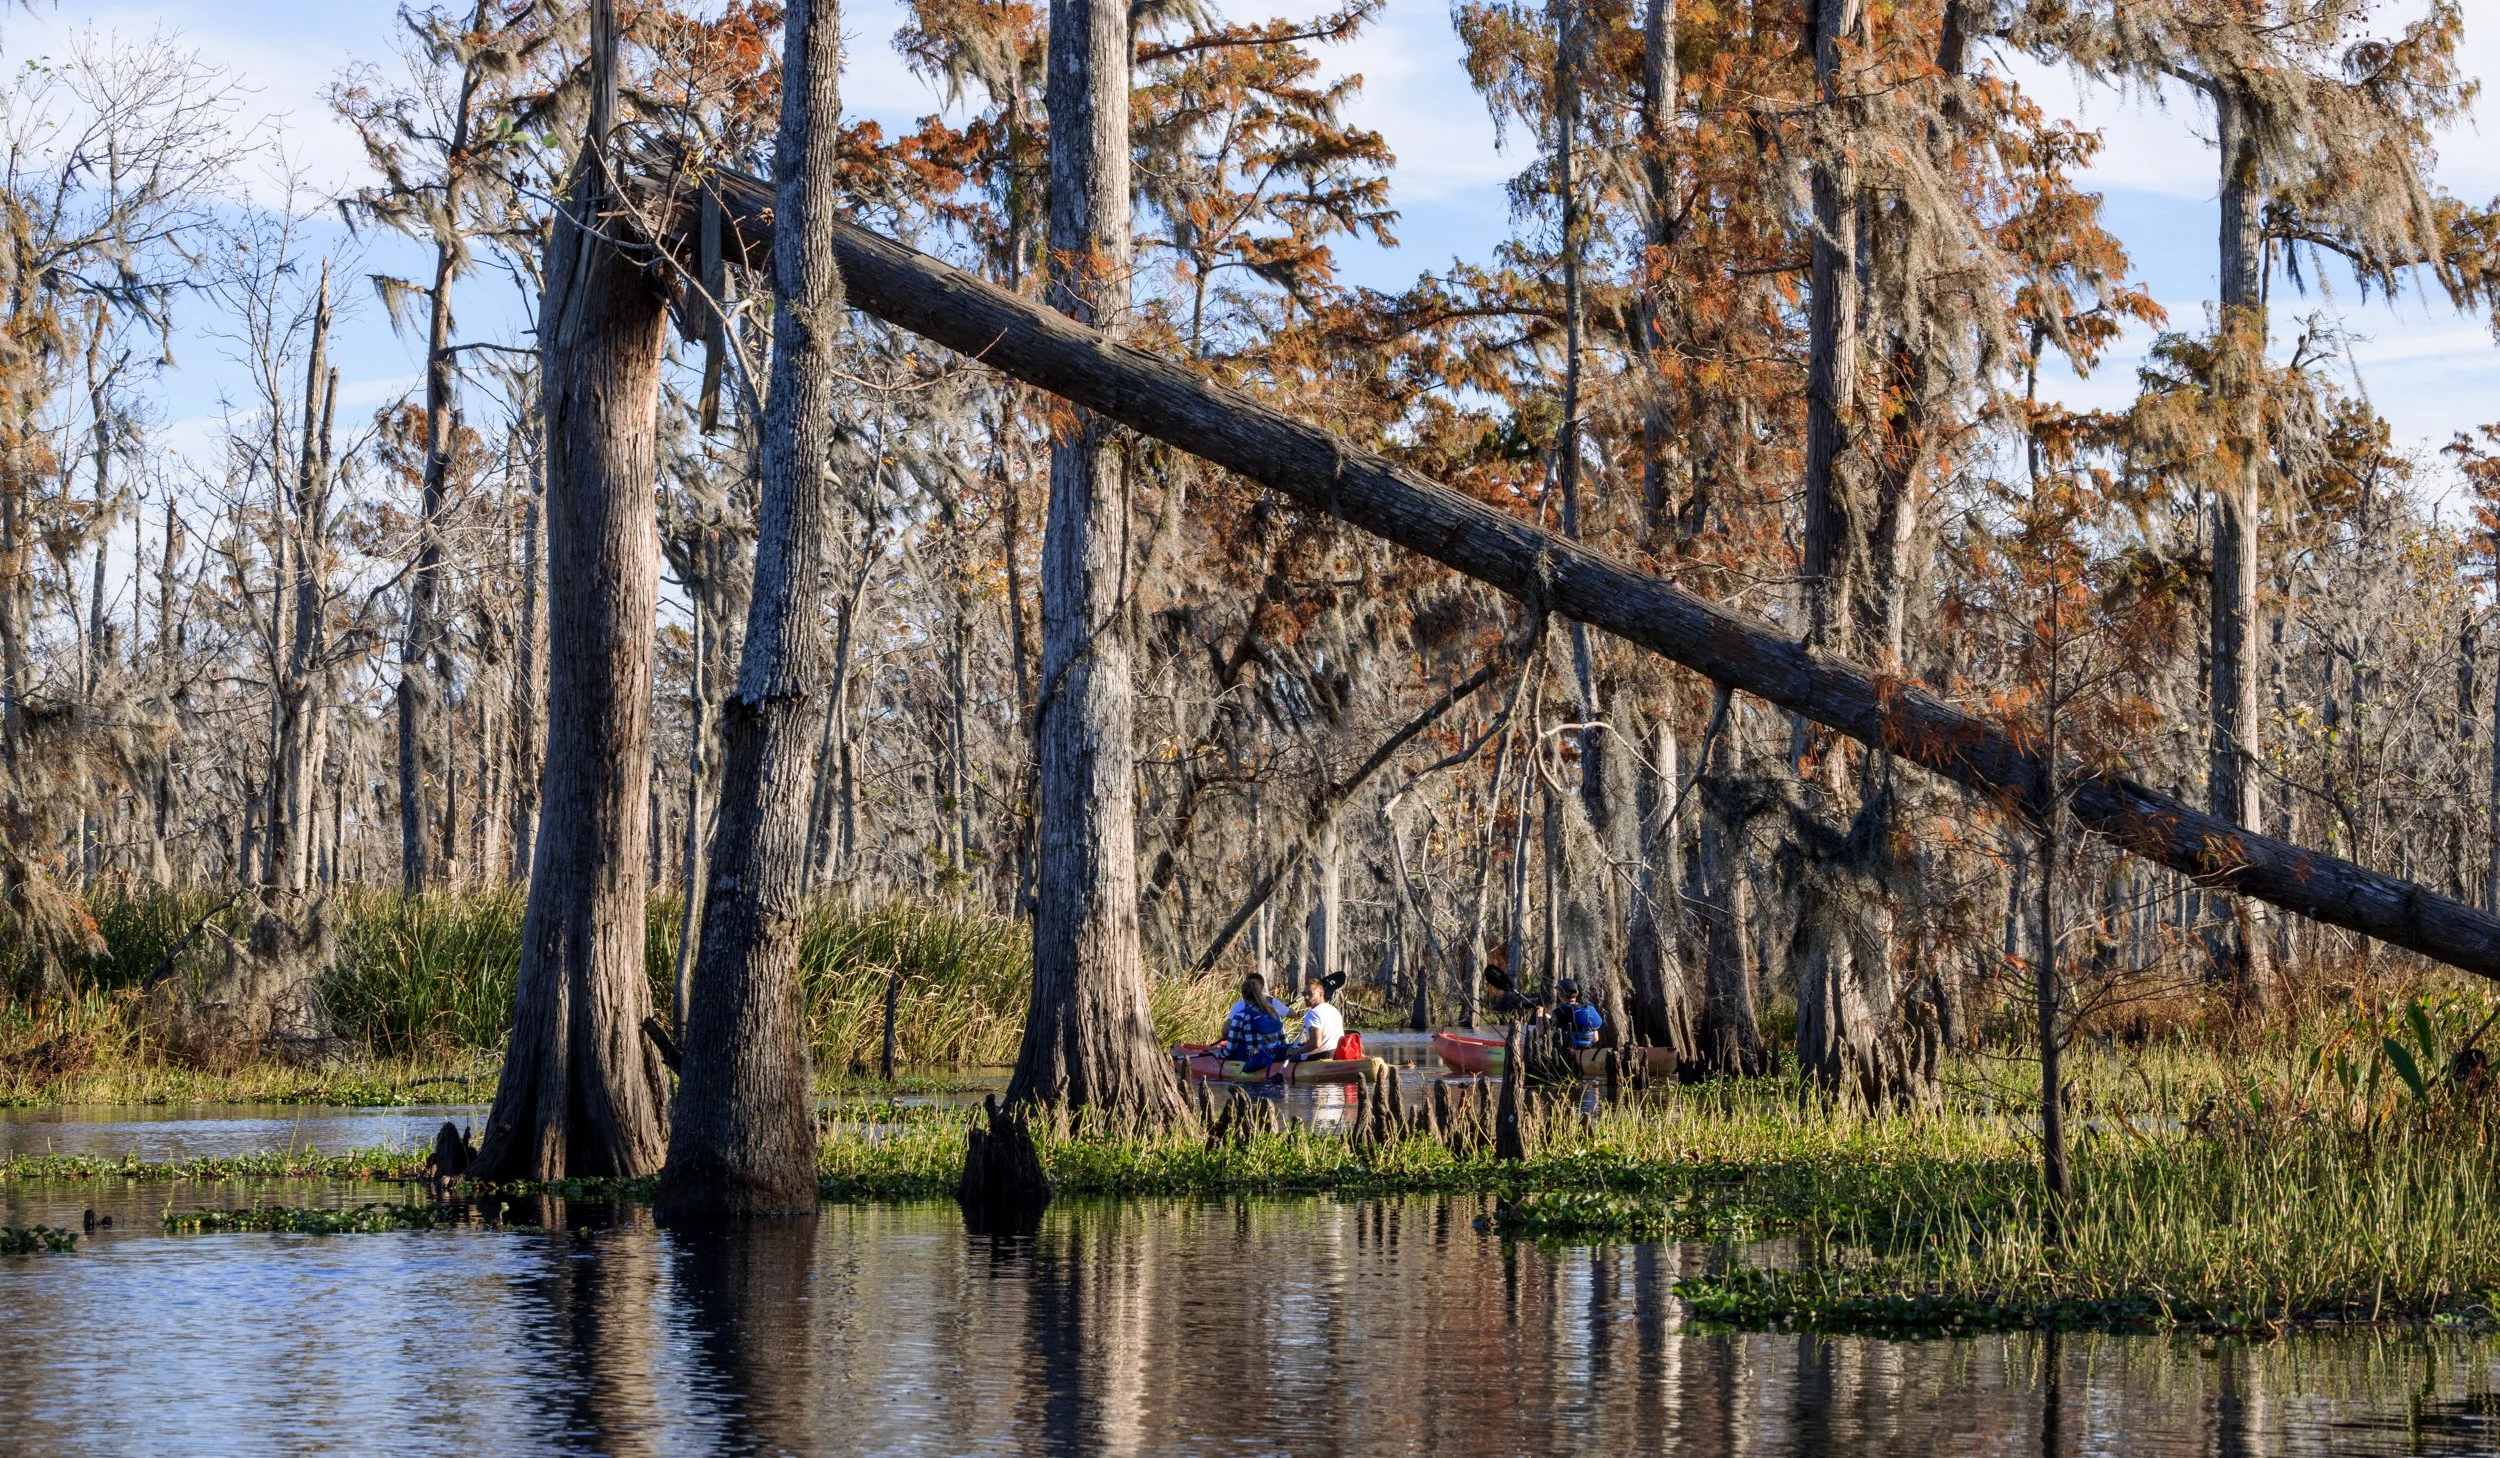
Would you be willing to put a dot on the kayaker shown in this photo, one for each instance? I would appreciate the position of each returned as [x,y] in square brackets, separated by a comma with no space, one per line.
[1581,1022]
[1254,1031]
[1322,1024]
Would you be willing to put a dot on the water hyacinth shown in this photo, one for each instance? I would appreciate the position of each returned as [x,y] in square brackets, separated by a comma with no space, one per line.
[35,1239]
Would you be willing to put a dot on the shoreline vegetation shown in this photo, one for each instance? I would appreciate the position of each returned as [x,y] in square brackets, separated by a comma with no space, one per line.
[2289,1186]
[419,995]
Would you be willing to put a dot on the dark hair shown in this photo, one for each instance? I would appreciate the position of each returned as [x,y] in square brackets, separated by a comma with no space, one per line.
[1254,992]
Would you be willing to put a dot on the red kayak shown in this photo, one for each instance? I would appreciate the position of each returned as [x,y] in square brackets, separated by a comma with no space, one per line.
[1469,1053]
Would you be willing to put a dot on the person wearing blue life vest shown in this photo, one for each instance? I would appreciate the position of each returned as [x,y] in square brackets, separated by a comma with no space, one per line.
[1580,1021]
[1254,1031]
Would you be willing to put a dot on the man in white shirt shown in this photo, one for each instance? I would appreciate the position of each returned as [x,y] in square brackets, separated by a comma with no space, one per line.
[1322,1024]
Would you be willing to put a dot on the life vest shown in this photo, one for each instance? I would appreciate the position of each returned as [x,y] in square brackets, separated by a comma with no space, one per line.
[1585,1023]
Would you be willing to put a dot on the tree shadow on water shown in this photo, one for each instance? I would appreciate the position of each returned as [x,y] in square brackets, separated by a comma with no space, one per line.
[744,1293]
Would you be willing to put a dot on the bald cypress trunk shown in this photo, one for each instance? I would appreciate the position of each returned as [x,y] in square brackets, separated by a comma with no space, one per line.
[1089,1038]
[741,1141]
[2232,785]
[1840,998]
[581,1092]
[1731,1029]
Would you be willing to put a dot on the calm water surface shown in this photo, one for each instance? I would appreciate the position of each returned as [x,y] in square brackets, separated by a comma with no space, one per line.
[204,1130]
[1305,1326]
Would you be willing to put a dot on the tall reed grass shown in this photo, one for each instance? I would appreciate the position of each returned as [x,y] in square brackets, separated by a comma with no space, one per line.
[430,979]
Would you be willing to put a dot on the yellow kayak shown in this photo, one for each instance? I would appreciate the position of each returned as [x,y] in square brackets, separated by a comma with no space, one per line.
[1203,1065]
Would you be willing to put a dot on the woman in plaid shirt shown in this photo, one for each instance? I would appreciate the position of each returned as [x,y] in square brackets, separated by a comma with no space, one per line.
[1254,1031]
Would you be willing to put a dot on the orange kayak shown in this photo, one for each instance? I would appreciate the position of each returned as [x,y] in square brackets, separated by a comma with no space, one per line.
[1194,1060]
[1469,1053]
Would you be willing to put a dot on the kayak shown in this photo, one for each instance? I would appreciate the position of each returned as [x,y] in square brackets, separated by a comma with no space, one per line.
[1469,1053]
[1194,1060]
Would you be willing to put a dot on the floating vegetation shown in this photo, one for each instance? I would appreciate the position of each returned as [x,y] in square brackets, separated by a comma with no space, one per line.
[380,1162]
[301,1220]
[32,1239]
[1566,1216]
[1826,1301]
[2331,1188]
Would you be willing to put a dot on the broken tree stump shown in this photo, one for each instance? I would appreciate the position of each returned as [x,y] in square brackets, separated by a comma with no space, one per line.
[1509,1141]
[1003,1173]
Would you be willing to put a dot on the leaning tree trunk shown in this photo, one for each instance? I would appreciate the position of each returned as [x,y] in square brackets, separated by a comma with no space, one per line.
[1883,710]
[741,1141]
[1089,1039]
[582,1090]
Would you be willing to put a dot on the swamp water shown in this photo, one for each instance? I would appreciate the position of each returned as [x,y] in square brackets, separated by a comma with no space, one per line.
[1305,1326]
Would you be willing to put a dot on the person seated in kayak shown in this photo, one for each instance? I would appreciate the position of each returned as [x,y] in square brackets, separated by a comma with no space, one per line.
[1322,1024]
[1254,1031]
[1581,1023]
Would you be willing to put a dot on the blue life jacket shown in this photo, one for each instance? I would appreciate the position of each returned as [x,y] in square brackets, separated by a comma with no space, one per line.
[1585,1021]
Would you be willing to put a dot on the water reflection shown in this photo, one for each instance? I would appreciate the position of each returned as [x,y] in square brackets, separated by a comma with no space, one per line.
[1304,1326]
[206,1130]
[744,1310]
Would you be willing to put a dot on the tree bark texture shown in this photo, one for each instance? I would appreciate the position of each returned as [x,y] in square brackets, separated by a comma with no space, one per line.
[1731,1029]
[582,1091]
[2233,784]
[1832,533]
[1314,468]
[1662,1014]
[301,727]
[1089,1039]
[741,1141]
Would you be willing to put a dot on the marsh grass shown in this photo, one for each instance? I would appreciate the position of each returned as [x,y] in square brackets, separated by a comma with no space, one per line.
[2282,1214]
[1935,1222]
[2337,1169]
[423,987]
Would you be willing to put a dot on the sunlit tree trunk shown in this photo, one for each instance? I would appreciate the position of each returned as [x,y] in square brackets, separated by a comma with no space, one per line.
[581,1091]
[1089,1039]
[2233,785]
[741,1141]
[420,649]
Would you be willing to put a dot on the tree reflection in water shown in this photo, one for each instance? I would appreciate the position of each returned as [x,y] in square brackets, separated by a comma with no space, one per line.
[1252,1324]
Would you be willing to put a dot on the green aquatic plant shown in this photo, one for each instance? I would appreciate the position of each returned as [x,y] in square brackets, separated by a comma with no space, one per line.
[31,1239]
[301,1220]
[1563,1216]
[380,1162]
[1815,1299]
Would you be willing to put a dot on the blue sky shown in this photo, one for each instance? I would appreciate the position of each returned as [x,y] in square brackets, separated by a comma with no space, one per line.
[2430,371]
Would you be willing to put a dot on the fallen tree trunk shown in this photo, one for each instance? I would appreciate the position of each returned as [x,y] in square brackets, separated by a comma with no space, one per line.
[1171,403]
